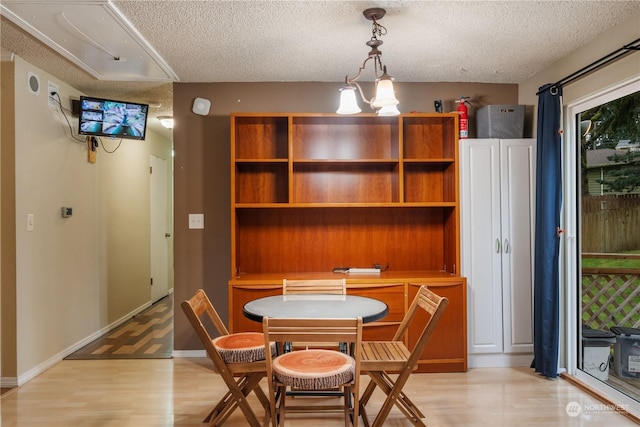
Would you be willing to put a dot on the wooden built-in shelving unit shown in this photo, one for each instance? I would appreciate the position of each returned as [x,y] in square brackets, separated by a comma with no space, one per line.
[310,192]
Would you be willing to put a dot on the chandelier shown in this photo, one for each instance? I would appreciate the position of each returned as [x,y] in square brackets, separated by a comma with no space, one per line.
[384,101]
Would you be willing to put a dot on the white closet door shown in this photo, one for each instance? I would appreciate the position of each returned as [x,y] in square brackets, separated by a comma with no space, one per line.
[517,159]
[482,243]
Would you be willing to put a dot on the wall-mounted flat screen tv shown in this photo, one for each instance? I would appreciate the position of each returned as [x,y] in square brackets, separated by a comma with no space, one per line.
[114,119]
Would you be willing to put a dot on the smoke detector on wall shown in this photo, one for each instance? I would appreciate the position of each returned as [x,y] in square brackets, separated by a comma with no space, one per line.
[201,106]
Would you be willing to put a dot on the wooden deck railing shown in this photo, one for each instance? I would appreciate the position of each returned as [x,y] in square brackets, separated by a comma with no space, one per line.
[611,296]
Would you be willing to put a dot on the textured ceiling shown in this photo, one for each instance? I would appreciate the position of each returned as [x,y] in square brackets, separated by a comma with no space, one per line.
[254,41]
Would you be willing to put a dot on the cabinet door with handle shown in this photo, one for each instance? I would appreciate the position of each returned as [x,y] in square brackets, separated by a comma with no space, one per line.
[482,243]
[497,187]
[517,180]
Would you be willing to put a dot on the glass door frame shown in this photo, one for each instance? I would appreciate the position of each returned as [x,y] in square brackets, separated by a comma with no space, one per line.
[570,257]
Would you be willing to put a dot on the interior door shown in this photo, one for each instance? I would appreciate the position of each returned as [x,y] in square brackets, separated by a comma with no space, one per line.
[159,228]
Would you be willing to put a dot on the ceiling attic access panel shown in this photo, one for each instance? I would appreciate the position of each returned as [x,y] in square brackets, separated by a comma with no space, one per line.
[94,35]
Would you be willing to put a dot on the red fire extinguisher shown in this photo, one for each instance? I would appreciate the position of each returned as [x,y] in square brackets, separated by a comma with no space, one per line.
[463,120]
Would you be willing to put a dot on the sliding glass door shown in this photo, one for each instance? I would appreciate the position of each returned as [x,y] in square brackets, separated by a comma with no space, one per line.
[603,249]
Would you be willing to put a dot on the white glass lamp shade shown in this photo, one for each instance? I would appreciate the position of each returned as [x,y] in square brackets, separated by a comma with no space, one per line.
[385,95]
[389,110]
[348,102]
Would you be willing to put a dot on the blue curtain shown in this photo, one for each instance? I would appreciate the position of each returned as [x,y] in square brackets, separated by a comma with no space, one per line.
[546,292]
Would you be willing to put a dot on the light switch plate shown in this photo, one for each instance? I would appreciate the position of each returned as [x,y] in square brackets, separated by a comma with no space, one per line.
[30,222]
[196,221]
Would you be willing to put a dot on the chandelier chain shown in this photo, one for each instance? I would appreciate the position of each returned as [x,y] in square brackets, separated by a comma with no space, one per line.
[377,30]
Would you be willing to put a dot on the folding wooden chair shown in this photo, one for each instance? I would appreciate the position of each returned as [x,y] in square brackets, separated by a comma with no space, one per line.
[319,286]
[238,358]
[314,370]
[380,359]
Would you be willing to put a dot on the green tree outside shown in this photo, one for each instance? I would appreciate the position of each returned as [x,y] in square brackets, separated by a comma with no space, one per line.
[615,121]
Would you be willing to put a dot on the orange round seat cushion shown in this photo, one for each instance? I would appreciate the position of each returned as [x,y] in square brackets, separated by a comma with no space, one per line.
[242,347]
[314,369]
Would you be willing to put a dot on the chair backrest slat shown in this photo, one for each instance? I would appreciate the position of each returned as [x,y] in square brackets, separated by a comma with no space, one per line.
[321,286]
[313,330]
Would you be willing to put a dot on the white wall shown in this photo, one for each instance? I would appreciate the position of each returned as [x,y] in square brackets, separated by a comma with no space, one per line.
[621,70]
[75,276]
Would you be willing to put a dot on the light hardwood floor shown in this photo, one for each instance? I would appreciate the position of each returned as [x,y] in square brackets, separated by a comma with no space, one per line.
[148,335]
[181,391]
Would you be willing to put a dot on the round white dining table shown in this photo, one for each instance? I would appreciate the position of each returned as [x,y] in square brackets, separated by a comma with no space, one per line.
[316,306]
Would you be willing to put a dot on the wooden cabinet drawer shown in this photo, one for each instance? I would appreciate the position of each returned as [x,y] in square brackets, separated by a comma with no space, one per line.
[239,296]
[391,293]
[447,349]
[379,331]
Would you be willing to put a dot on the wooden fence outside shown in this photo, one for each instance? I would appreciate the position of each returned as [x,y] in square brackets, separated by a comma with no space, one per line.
[611,296]
[610,223]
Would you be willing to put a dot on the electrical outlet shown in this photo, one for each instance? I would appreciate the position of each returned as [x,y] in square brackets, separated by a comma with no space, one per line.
[196,221]
[53,99]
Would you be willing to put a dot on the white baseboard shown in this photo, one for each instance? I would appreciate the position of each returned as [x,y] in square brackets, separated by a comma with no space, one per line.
[499,360]
[40,368]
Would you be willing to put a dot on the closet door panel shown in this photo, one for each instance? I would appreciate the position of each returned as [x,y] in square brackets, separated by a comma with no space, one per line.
[480,181]
[517,199]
